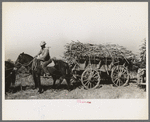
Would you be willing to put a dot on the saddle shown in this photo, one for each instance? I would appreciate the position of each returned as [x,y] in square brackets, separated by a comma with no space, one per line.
[51,64]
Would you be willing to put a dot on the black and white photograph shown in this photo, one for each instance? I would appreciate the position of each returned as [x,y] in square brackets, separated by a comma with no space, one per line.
[74,60]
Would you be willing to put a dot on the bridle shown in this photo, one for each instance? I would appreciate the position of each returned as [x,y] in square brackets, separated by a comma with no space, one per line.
[24,65]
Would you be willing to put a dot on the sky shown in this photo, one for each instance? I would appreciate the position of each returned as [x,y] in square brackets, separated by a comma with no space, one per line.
[26,24]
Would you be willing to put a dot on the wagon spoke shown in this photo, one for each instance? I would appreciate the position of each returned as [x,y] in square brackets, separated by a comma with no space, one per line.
[114,77]
[124,72]
[94,74]
[118,81]
[86,82]
[85,77]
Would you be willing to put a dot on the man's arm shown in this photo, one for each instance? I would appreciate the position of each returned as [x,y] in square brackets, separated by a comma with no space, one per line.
[44,55]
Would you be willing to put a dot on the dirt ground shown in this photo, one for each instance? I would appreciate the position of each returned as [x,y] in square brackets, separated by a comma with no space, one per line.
[106,90]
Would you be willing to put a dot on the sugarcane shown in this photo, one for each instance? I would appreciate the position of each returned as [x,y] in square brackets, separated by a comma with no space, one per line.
[79,49]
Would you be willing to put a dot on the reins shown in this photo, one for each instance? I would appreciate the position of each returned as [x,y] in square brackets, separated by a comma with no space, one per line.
[26,64]
[34,65]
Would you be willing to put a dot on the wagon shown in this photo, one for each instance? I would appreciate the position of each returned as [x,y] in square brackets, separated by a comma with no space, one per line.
[91,60]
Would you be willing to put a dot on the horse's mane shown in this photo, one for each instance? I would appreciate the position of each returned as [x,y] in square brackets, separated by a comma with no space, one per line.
[27,55]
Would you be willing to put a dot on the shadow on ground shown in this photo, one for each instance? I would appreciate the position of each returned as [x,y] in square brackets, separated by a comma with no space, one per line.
[77,84]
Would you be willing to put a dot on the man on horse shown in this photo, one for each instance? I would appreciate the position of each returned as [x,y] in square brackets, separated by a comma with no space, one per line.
[44,56]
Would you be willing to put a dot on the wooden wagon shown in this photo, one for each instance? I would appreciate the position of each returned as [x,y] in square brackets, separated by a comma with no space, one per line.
[91,60]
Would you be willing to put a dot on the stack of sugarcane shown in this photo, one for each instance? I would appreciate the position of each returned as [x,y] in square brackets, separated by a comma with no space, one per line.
[78,50]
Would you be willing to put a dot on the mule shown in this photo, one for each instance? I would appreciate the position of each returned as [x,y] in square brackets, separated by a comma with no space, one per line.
[10,75]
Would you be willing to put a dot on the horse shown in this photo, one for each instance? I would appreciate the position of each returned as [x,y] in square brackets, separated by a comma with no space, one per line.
[59,71]
[10,75]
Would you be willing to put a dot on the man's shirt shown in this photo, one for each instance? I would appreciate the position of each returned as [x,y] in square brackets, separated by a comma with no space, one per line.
[44,54]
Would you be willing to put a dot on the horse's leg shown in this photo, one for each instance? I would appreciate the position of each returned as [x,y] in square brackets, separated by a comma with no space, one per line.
[39,84]
[68,82]
[35,79]
[54,80]
[60,80]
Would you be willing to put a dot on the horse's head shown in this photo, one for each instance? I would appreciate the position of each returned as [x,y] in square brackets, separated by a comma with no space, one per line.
[23,59]
[20,59]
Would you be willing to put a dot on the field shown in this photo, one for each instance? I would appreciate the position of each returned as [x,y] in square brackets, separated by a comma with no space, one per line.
[23,89]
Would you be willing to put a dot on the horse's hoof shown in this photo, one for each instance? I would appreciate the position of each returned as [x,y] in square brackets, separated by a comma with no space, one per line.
[34,88]
[69,89]
[40,91]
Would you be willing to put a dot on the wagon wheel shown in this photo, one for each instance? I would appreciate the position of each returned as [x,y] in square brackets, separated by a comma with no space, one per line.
[90,78]
[119,75]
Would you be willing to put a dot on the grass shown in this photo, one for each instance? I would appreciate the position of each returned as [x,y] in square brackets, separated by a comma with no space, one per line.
[106,91]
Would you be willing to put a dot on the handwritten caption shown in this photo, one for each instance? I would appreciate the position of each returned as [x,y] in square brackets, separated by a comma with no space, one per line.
[83,101]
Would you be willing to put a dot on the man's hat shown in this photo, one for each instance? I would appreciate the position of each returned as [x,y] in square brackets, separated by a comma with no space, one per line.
[42,43]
